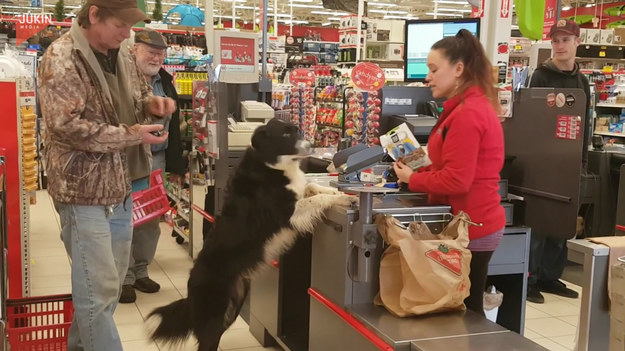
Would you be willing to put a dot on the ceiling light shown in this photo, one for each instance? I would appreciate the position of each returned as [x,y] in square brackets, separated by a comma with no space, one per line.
[454,10]
[330,13]
[381,4]
[451,2]
[234,0]
[293,22]
[333,19]
[400,17]
[394,12]
[244,7]
[284,15]
[566,8]
[326,24]
[301,0]
[219,16]
[590,5]
[444,14]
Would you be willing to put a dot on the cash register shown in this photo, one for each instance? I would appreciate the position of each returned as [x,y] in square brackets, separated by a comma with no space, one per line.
[253,115]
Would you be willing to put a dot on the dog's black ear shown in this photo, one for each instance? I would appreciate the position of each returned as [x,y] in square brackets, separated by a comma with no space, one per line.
[259,135]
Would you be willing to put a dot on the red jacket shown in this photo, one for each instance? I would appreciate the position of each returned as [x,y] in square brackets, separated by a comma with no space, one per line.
[466,147]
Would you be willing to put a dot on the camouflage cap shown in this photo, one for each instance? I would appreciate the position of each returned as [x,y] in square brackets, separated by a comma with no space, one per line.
[125,10]
[152,38]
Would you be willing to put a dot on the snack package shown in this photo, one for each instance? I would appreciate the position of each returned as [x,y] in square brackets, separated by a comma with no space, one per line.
[402,146]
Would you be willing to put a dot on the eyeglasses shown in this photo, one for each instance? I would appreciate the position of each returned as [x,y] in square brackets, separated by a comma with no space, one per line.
[156,54]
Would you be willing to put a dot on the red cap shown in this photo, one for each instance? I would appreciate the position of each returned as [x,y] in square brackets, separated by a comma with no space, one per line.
[565,26]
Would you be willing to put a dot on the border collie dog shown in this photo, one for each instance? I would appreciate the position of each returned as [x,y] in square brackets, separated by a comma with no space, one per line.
[266,207]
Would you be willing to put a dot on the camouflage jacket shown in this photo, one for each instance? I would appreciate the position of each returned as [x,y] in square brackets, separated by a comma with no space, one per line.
[85,142]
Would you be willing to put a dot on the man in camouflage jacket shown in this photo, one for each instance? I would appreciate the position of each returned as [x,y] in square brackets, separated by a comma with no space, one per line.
[93,124]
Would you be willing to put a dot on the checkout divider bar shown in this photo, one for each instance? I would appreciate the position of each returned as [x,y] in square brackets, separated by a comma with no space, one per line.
[353,322]
[203,213]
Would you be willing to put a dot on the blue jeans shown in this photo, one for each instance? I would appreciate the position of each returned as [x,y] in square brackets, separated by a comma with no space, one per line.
[99,246]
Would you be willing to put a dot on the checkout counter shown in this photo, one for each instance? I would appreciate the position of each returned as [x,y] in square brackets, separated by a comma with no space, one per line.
[342,269]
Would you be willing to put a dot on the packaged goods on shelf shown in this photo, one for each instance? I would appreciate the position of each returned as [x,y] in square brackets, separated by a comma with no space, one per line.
[303,111]
[362,117]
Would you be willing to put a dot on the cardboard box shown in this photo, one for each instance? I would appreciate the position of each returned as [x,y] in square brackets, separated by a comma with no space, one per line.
[619,36]
[607,36]
[593,36]
[617,311]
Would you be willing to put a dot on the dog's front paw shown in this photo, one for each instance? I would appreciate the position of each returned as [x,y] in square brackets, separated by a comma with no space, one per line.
[313,189]
[346,200]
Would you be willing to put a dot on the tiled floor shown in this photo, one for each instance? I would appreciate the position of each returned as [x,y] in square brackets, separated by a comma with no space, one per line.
[552,324]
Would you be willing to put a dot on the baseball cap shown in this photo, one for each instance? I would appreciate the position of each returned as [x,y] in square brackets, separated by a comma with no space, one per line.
[152,38]
[126,10]
[565,26]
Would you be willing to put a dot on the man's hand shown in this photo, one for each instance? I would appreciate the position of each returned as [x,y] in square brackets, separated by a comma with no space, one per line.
[160,106]
[403,172]
[149,138]
[175,178]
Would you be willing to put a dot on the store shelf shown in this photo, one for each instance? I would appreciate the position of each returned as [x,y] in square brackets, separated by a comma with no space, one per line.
[180,231]
[184,216]
[328,126]
[185,97]
[600,59]
[620,135]
[383,42]
[611,105]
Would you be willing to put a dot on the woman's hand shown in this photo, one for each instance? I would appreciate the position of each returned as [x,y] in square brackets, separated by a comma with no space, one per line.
[403,172]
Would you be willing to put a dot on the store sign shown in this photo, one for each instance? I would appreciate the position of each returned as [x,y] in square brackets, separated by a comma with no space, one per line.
[237,54]
[550,17]
[302,76]
[29,24]
[504,12]
[477,11]
[368,76]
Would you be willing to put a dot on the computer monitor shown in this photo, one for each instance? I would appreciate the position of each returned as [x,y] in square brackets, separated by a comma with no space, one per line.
[420,35]
[236,56]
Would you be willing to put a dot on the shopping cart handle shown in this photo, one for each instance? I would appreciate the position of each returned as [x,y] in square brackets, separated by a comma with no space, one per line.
[620,227]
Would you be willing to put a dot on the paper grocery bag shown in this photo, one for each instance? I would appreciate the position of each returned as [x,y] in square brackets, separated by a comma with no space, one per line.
[423,273]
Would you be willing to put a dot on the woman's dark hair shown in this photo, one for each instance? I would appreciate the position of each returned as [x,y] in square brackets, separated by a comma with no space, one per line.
[464,47]
[83,15]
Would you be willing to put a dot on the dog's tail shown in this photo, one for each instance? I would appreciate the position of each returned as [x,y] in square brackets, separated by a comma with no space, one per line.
[174,325]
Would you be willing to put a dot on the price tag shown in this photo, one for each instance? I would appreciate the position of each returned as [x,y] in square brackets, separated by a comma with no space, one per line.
[601,53]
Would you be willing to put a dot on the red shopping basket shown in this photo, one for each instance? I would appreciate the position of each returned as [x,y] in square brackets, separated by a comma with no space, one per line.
[150,203]
[39,323]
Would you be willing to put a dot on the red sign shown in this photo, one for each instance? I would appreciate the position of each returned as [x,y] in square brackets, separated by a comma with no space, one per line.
[551,7]
[303,76]
[504,12]
[29,24]
[568,127]
[368,76]
[238,54]
[478,12]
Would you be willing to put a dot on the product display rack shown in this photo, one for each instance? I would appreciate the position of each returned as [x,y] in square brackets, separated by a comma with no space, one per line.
[303,110]
[17,200]
[329,115]
[362,117]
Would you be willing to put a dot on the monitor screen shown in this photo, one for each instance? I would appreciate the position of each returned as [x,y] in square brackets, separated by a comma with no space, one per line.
[422,34]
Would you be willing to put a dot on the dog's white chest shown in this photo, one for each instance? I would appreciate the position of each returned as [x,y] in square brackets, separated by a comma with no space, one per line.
[297,178]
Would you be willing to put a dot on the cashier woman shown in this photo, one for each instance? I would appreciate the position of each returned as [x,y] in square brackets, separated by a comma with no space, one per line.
[466,147]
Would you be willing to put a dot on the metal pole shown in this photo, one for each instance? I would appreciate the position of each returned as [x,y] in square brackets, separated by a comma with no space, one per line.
[275,18]
[208,27]
[361,9]
[234,14]
[264,85]
[291,21]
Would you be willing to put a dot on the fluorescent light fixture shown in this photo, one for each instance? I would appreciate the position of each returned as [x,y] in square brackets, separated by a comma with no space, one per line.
[566,8]
[309,1]
[220,16]
[329,13]
[400,17]
[293,22]
[162,3]
[231,1]
[381,4]
[391,12]
[451,2]
[54,5]
[307,6]
[590,5]
[444,14]
[283,15]
[333,19]
[244,7]
[453,10]
[326,24]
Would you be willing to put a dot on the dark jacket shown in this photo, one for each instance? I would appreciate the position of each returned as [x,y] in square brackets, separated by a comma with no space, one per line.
[549,76]
[174,162]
